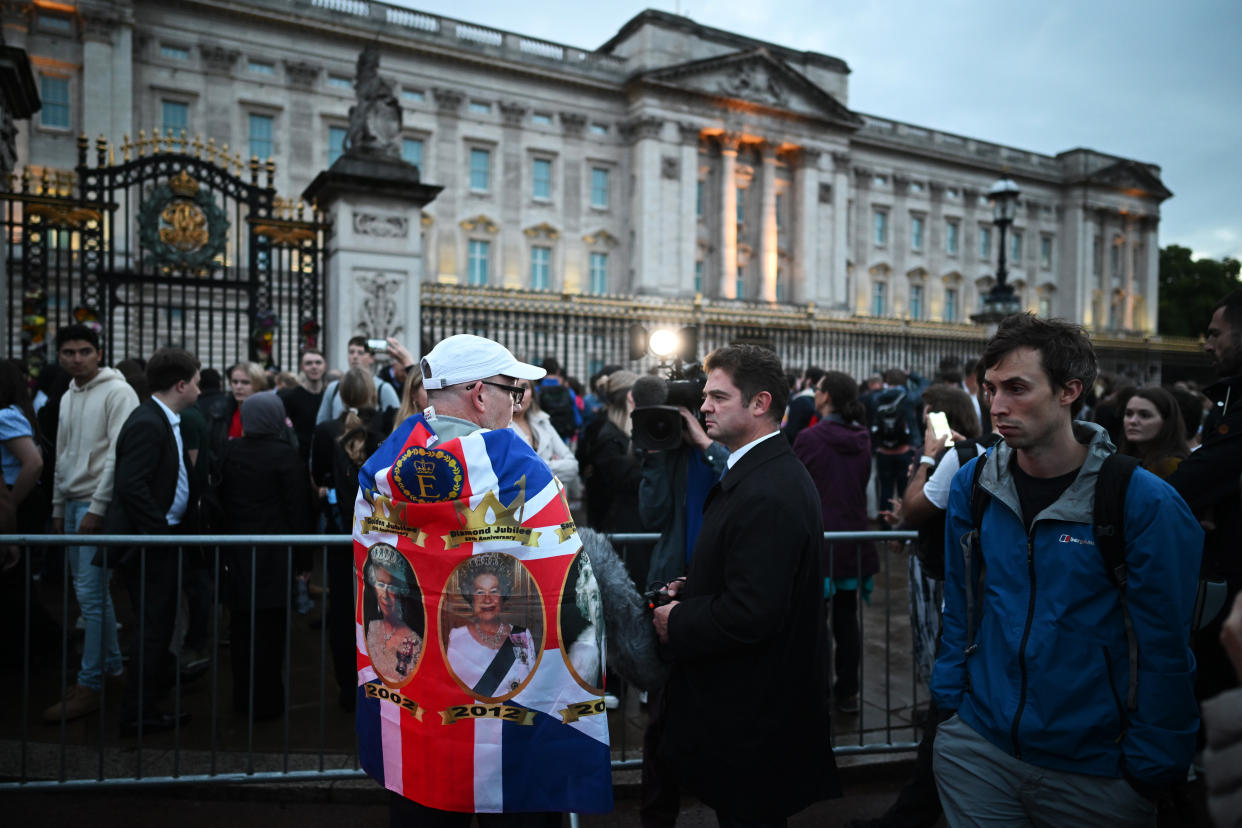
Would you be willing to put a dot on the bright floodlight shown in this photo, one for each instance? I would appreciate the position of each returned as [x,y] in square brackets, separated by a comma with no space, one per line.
[665,343]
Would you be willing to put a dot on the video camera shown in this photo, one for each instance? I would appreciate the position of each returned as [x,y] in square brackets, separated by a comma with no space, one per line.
[659,427]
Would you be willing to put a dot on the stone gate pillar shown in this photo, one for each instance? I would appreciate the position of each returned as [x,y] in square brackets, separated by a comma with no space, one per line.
[373,254]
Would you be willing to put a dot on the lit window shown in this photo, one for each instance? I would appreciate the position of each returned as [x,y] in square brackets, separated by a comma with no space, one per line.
[985,242]
[541,178]
[880,222]
[412,95]
[950,305]
[916,233]
[539,258]
[599,129]
[261,136]
[1045,252]
[481,107]
[480,170]
[412,151]
[55,94]
[477,260]
[171,52]
[260,67]
[340,82]
[916,301]
[599,273]
[698,276]
[336,143]
[599,188]
[879,299]
[951,240]
[541,118]
[1015,249]
[174,115]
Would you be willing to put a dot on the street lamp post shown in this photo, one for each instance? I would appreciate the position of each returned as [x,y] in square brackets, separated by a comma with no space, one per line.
[1001,301]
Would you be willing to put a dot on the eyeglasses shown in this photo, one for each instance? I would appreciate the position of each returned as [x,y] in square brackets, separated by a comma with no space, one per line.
[515,391]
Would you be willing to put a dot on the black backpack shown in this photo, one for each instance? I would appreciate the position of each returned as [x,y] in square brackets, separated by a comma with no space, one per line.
[890,429]
[1108,526]
[559,406]
[930,548]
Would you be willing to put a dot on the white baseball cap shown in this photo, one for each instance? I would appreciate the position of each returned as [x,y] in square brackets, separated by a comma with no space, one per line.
[467,358]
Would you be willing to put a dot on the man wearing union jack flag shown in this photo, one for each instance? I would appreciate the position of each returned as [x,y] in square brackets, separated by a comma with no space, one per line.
[468,699]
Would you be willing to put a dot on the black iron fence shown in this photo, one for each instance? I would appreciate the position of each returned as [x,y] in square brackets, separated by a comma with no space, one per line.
[218,731]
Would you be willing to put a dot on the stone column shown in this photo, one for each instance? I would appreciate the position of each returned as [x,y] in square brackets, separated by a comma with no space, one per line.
[768,249]
[863,239]
[1129,234]
[97,66]
[516,272]
[374,256]
[688,237]
[729,142]
[577,277]
[806,286]
[899,242]
[648,214]
[446,263]
[838,267]
[1151,275]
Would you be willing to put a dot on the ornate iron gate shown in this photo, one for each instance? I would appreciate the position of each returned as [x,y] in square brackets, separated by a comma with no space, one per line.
[168,247]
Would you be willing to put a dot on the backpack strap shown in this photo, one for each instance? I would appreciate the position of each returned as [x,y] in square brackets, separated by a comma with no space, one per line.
[966,451]
[972,549]
[1109,517]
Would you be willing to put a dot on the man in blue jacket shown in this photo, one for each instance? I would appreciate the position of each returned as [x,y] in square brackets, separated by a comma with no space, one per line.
[1054,724]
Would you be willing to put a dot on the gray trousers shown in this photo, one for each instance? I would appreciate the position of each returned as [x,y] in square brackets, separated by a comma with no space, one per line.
[982,785]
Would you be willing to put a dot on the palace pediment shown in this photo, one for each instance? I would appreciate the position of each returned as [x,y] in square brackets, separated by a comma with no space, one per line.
[753,78]
[1132,178]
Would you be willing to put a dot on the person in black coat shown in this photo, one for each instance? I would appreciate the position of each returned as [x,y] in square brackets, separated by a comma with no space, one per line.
[153,494]
[746,721]
[264,489]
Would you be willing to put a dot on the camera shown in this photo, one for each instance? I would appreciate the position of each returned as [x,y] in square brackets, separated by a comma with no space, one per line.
[656,423]
[656,598]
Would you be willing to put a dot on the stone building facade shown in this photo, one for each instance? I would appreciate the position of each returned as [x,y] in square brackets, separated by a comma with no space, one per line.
[673,160]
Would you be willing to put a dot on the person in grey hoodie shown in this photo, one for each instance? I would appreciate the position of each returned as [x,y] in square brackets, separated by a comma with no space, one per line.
[91,415]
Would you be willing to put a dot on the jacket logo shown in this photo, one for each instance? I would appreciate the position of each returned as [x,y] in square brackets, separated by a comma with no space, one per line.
[1071,539]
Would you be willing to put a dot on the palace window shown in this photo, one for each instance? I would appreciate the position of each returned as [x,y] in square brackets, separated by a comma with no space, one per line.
[916,233]
[539,264]
[599,188]
[879,220]
[985,242]
[541,179]
[261,136]
[336,143]
[950,305]
[879,299]
[599,273]
[54,92]
[412,151]
[174,115]
[480,170]
[952,240]
[478,260]
[916,301]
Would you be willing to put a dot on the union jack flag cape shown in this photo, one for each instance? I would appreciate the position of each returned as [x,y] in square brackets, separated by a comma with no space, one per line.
[451,714]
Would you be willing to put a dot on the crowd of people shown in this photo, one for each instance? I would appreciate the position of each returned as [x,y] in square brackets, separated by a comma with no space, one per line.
[1076,534]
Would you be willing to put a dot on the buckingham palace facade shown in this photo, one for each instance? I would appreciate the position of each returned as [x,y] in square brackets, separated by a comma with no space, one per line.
[674,160]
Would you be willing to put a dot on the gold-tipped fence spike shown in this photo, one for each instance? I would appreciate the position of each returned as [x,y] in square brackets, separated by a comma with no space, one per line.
[198,146]
[301,209]
[101,150]
[45,182]
[183,142]
[84,143]
[270,167]
[26,179]
[142,142]
[238,163]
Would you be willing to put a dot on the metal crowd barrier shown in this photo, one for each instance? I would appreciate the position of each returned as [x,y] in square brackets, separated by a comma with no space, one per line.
[314,739]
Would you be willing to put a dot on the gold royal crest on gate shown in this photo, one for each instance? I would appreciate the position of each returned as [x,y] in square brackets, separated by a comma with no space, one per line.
[181,225]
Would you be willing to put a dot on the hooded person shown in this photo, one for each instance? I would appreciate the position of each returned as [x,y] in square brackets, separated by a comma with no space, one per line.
[263,489]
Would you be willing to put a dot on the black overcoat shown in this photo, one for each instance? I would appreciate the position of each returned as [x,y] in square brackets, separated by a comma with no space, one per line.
[746,707]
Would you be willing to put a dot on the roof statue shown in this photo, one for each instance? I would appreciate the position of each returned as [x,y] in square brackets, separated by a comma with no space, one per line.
[375,120]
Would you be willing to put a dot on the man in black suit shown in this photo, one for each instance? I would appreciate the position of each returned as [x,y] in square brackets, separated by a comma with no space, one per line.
[745,713]
[152,495]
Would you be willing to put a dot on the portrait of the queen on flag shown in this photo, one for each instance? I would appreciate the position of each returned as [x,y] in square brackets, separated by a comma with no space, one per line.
[468,698]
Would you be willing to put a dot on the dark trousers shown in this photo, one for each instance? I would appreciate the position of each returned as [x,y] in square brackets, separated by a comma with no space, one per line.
[890,477]
[342,639]
[153,591]
[406,813]
[269,662]
[847,638]
[660,794]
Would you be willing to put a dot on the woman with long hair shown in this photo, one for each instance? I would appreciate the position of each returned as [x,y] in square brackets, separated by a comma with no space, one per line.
[837,453]
[1153,431]
[609,469]
[339,447]
[535,427]
[224,414]
[20,454]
